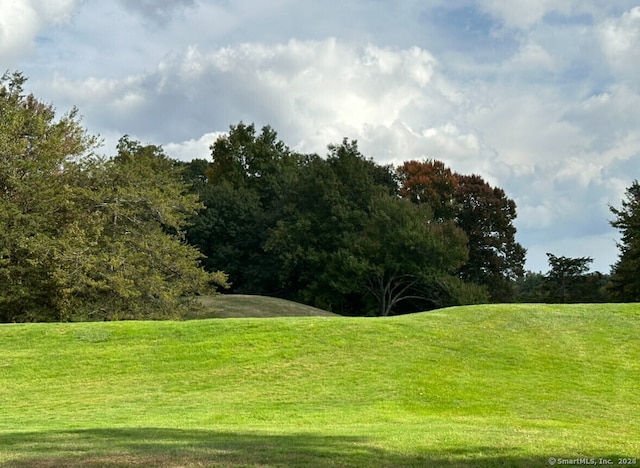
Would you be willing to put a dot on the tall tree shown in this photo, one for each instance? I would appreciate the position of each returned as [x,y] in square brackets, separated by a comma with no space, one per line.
[82,236]
[348,242]
[483,212]
[625,274]
[35,150]
[402,255]
[486,215]
[247,180]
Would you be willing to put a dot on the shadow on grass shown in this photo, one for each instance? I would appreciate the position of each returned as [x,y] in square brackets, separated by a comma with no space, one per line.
[152,447]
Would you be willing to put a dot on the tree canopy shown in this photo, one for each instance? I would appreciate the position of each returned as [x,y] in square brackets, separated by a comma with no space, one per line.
[139,235]
[484,214]
[83,236]
[625,275]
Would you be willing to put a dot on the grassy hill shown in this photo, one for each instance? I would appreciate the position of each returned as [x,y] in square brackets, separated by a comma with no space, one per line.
[242,306]
[463,387]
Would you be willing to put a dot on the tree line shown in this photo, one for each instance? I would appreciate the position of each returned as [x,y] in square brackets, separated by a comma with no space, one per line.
[139,234]
[349,235]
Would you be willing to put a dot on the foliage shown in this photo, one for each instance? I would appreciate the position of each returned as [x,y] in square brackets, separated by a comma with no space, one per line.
[430,183]
[326,208]
[37,202]
[248,180]
[531,287]
[348,243]
[297,226]
[402,252]
[563,283]
[565,277]
[84,237]
[625,275]
[484,213]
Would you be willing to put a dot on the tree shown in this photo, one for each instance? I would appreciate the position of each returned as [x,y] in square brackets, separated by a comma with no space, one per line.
[431,183]
[486,216]
[247,183]
[625,274]
[349,243]
[35,150]
[566,276]
[327,206]
[531,287]
[82,236]
[402,255]
[142,265]
[484,213]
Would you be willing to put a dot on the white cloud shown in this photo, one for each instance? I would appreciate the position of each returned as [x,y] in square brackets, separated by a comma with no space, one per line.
[539,98]
[193,148]
[619,40]
[532,57]
[157,10]
[22,20]
[316,88]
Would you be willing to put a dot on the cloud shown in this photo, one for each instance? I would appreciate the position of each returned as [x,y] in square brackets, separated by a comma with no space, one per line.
[316,88]
[192,148]
[523,14]
[158,11]
[22,20]
[539,98]
[619,40]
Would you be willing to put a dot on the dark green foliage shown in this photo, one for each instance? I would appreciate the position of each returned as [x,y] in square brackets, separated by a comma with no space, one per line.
[319,222]
[348,243]
[84,237]
[566,278]
[567,281]
[531,287]
[625,274]
[247,183]
[331,232]
[403,255]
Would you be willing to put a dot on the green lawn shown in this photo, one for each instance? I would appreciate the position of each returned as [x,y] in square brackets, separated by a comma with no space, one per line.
[508,385]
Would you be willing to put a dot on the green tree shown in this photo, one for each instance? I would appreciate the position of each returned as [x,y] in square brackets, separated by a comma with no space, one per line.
[142,266]
[35,152]
[486,216]
[625,274]
[348,243]
[328,203]
[566,277]
[404,255]
[81,236]
[247,183]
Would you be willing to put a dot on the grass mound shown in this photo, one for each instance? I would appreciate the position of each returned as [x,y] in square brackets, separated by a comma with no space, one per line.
[243,306]
[471,386]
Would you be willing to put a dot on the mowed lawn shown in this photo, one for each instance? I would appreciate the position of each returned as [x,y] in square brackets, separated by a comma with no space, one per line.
[495,385]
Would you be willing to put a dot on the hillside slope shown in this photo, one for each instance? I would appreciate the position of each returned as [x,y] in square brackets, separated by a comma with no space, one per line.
[243,305]
[469,386]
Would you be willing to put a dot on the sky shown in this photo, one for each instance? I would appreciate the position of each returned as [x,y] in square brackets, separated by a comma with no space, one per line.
[541,98]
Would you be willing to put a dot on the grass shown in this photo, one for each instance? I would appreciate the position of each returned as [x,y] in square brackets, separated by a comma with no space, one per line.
[473,386]
[243,306]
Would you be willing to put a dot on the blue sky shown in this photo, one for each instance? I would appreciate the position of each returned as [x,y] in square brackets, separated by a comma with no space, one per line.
[540,98]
